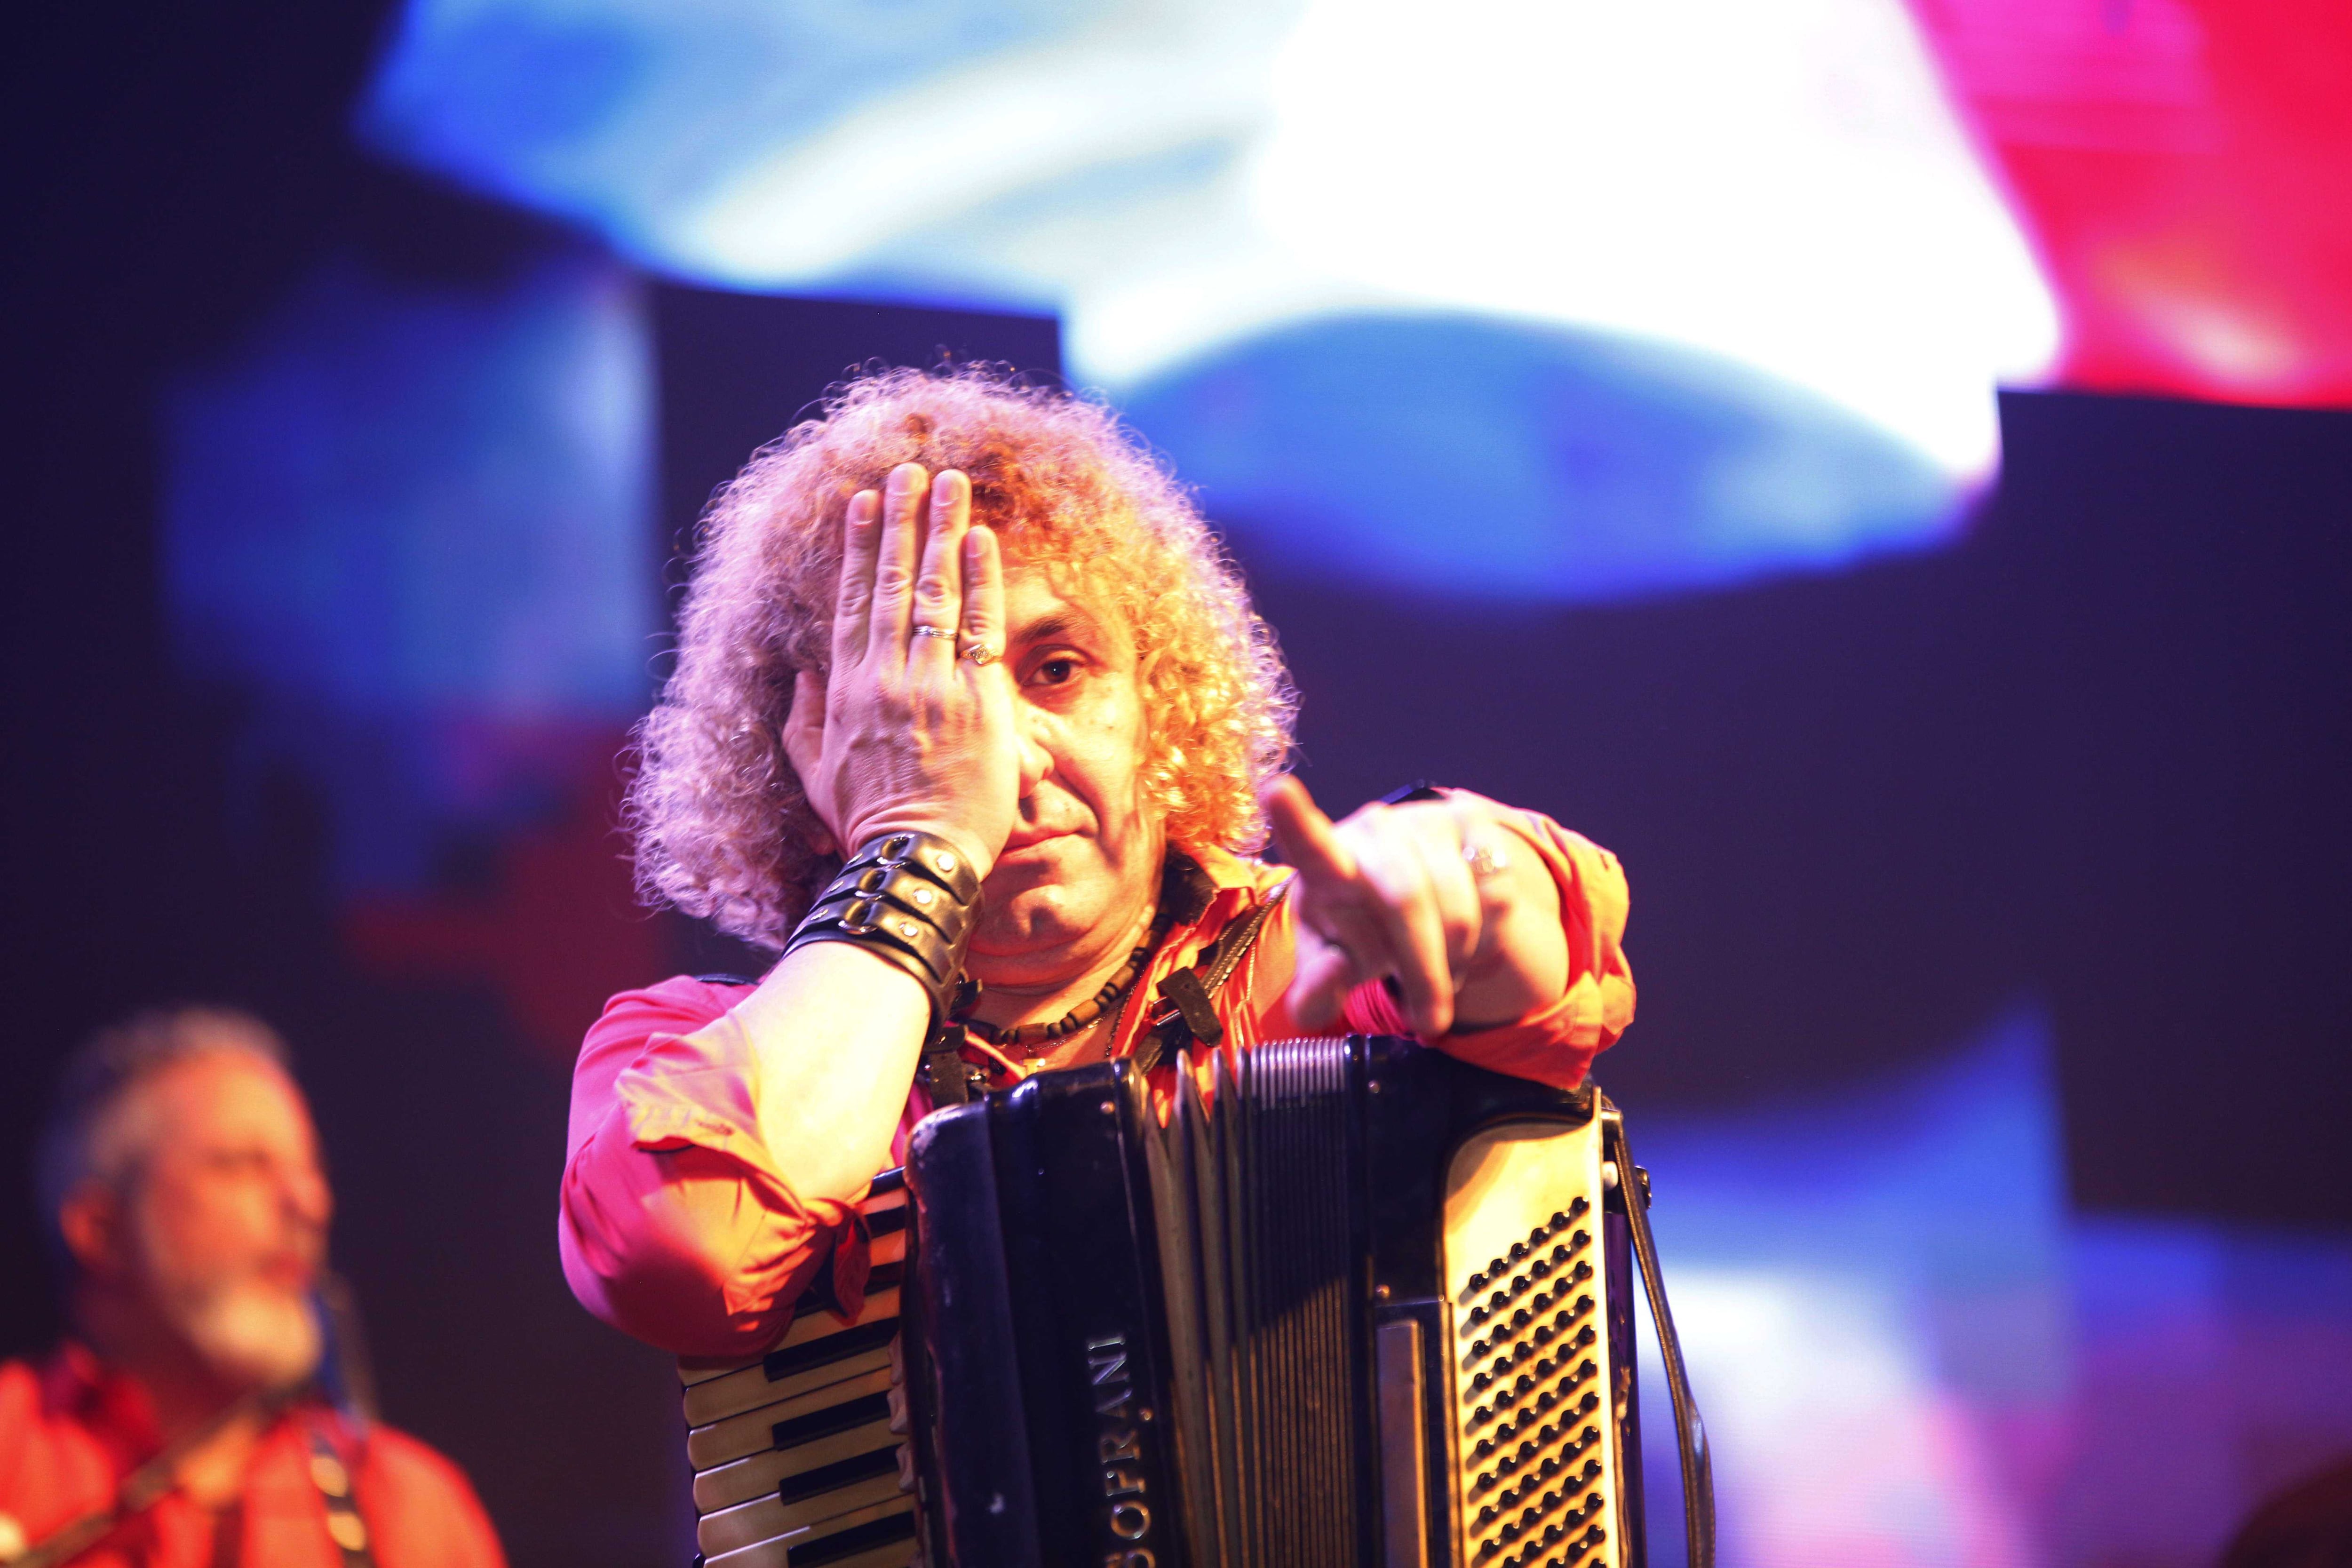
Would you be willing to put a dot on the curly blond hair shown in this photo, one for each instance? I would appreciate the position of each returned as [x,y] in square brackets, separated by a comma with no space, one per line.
[723,828]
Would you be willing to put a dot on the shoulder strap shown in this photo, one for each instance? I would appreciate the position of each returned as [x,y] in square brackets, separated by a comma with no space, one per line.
[338,1488]
[1690,1432]
[143,1488]
[1187,1011]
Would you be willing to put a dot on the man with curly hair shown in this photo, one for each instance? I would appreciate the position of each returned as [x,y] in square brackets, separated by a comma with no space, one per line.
[972,720]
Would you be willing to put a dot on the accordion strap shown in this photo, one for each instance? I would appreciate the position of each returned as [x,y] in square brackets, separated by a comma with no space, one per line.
[1186,1011]
[1690,1433]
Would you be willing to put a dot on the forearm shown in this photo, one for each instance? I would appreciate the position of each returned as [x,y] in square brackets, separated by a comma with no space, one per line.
[716,1136]
[835,1033]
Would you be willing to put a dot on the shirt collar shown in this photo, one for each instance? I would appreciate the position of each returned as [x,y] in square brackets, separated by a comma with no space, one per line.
[102,1398]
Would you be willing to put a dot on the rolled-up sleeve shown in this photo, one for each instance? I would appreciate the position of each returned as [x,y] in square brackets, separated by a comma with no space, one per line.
[676,1226]
[1555,1044]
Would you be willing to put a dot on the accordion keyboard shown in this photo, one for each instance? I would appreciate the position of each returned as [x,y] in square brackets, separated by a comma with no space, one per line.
[1534,1426]
[800,1455]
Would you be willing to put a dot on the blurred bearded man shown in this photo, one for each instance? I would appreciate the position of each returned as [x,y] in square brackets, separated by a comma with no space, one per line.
[178,1426]
[974,725]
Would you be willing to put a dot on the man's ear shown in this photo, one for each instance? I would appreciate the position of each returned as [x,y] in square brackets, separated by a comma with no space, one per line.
[92,1222]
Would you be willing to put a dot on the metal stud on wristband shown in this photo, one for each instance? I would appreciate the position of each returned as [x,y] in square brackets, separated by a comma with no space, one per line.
[909,897]
[933,856]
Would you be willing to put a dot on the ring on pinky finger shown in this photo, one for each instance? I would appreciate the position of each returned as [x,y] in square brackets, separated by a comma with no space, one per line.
[981,652]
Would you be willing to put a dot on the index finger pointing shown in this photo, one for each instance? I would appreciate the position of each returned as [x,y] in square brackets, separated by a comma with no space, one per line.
[1304,834]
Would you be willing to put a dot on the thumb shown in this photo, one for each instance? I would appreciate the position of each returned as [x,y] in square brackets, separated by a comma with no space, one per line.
[805,726]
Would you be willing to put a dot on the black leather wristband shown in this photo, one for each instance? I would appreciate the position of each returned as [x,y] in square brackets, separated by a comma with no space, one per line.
[855,917]
[908,897]
[935,859]
[899,887]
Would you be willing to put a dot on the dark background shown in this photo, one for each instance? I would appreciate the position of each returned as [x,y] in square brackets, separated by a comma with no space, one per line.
[2095,755]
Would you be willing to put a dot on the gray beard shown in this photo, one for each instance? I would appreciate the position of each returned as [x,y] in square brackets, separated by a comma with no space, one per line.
[250,1335]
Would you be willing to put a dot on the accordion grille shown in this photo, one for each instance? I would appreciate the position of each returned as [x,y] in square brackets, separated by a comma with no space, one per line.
[1533,1428]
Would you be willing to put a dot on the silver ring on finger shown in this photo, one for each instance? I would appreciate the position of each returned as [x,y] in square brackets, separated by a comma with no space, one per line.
[1484,862]
[946,632]
[981,652]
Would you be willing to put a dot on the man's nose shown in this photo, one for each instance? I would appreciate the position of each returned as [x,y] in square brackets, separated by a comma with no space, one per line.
[303,1189]
[1037,758]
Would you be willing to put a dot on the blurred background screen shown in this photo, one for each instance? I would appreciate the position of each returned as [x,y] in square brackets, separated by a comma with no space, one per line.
[1882,468]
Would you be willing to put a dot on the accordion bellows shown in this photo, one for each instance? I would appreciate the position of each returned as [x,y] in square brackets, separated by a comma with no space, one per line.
[1367,1305]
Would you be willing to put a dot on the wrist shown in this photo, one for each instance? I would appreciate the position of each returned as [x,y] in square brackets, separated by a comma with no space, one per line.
[969,848]
[908,896]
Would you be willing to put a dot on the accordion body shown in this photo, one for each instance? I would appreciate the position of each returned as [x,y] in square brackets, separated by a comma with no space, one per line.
[1364,1305]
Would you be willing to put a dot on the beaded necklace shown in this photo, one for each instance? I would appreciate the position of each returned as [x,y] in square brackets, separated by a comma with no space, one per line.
[1024,1036]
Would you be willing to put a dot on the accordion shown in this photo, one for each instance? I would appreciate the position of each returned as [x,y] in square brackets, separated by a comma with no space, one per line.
[1365,1305]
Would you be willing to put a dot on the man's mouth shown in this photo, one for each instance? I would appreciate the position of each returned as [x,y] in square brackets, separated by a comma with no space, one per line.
[1030,840]
[288,1272]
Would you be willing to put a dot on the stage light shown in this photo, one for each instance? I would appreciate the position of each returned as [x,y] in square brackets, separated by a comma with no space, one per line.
[1779,191]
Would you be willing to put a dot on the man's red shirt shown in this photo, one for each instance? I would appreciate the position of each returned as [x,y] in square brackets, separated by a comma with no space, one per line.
[679,1227]
[71,1429]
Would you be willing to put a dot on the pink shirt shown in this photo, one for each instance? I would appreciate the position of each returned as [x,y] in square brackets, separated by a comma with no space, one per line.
[678,1227]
